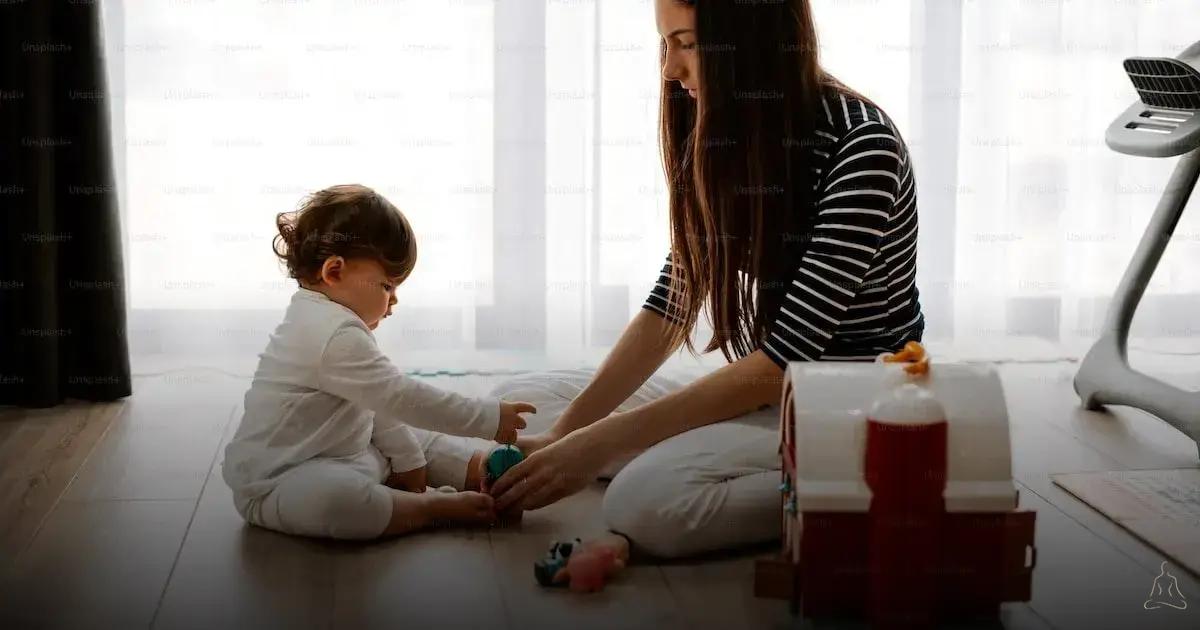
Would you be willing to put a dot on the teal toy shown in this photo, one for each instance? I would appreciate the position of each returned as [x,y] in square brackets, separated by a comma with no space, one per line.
[555,559]
[500,459]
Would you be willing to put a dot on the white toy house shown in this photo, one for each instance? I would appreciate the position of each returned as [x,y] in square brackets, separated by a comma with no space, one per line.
[897,492]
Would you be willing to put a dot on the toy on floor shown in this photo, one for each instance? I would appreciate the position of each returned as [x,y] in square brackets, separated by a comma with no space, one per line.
[585,568]
[897,496]
[555,560]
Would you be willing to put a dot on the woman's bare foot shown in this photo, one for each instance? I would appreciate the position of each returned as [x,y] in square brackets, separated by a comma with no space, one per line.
[618,543]
[411,511]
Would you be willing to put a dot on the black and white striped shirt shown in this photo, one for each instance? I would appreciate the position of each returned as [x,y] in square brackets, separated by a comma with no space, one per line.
[853,291]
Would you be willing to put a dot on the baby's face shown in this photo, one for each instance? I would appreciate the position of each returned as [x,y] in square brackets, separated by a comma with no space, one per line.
[365,288]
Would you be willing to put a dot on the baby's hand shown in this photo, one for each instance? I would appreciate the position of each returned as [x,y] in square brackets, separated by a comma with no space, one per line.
[510,421]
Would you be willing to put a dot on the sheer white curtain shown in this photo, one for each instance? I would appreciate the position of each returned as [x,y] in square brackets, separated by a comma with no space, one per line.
[519,136]
[234,110]
[1047,216]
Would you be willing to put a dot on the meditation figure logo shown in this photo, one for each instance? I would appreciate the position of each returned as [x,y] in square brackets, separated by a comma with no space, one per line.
[1165,591]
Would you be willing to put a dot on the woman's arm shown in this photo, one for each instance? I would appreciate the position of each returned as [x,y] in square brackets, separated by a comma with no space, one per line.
[642,349]
[568,464]
[737,388]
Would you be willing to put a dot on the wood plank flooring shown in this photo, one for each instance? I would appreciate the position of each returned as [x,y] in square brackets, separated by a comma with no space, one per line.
[142,533]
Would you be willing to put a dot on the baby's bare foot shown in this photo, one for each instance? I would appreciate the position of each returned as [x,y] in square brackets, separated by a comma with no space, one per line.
[476,475]
[412,512]
[459,507]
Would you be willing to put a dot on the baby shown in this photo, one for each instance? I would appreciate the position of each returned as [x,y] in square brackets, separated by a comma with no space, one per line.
[335,441]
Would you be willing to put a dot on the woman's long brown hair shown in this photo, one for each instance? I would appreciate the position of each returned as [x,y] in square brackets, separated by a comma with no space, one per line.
[739,167]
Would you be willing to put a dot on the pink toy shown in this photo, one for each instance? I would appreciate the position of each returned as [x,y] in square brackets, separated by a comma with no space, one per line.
[589,569]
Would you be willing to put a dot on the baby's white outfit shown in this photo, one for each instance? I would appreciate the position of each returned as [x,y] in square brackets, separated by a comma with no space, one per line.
[328,417]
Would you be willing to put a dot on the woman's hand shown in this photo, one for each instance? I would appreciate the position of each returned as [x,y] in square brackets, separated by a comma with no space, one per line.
[530,444]
[558,469]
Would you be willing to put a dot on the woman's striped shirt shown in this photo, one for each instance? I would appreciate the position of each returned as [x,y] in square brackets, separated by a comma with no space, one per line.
[852,293]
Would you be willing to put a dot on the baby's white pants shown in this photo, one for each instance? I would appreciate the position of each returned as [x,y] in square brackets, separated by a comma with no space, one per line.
[344,497]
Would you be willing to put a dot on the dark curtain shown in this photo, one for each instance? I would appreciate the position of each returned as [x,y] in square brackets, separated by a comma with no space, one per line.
[62,282]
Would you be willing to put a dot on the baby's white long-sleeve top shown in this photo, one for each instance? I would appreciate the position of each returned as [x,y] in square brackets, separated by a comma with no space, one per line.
[324,389]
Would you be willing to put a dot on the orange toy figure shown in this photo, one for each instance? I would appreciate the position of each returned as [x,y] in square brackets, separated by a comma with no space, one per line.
[913,353]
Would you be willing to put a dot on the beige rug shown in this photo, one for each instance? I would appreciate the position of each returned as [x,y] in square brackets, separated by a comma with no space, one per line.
[1162,507]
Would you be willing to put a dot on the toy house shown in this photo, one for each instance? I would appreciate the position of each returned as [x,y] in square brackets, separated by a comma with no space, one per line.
[897,492]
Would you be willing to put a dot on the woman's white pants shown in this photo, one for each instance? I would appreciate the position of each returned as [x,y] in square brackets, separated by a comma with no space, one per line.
[715,487]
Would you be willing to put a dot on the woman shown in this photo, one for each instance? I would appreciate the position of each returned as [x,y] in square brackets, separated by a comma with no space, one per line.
[794,223]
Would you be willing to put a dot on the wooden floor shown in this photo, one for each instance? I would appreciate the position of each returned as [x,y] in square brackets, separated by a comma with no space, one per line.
[145,535]
[40,453]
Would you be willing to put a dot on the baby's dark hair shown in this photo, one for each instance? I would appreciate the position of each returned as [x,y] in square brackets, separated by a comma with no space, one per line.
[350,221]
